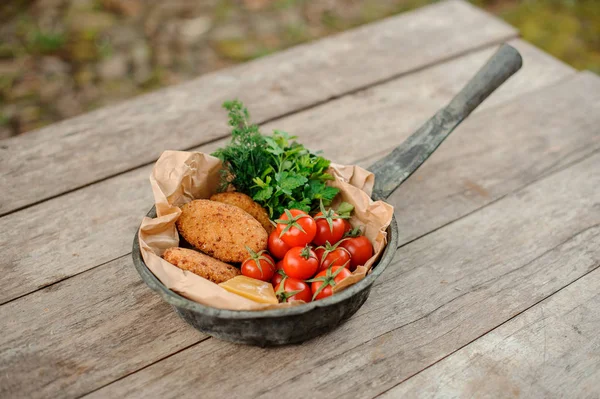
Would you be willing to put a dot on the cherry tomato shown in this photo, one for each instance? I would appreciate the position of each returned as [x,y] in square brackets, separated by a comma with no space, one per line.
[347,226]
[330,227]
[323,282]
[277,247]
[300,263]
[332,256]
[296,228]
[360,249]
[259,266]
[276,279]
[279,273]
[291,289]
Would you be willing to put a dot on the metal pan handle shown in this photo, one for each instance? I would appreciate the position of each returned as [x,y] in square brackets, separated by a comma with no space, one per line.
[392,170]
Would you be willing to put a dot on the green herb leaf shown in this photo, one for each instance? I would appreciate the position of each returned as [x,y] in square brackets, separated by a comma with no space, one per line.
[328,193]
[345,209]
[290,181]
[319,190]
[273,147]
[264,194]
[276,171]
[303,205]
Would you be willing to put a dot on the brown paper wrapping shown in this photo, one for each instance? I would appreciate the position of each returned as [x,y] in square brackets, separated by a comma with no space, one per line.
[179,177]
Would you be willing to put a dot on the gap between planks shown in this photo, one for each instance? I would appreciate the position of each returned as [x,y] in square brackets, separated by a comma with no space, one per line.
[358,89]
[434,311]
[493,111]
[130,133]
[534,305]
[575,236]
[379,281]
[400,245]
[541,178]
[540,71]
[146,366]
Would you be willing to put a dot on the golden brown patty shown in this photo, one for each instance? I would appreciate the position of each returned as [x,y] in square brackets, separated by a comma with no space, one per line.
[223,231]
[200,264]
[246,203]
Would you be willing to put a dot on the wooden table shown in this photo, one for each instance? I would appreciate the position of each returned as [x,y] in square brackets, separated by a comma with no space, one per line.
[495,288]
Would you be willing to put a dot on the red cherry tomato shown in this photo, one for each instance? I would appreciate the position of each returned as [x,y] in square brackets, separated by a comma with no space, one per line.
[296,228]
[291,289]
[300,263]
[360,249]
[323,282]
[276,246]
[347,226]
[276,279]
[279,273]
[259,266]
[330,228]
[331,256]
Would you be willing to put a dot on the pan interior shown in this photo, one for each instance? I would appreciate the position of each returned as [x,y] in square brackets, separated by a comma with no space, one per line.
[181,302]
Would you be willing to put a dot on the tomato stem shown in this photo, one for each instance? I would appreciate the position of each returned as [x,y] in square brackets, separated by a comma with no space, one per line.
[330,215]
[257,257]
[355,232]
[328,248]
[291,221]
[305,253]
[282,294]
[328,279]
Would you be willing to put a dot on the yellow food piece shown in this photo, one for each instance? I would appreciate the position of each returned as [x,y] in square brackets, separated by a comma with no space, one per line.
[253,289]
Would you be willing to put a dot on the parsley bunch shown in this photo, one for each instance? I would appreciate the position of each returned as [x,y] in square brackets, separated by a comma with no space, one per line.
[275,171]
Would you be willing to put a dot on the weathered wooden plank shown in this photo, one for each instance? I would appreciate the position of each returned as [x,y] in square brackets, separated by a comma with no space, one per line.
[445,290]
[86,331]
[550,350]
[383,116]
[458,179]
[80,284]
[67,235]
[104,143]
[393,111]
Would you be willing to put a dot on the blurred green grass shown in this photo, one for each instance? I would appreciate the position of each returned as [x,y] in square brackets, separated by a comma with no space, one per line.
[76,40]
[567,29]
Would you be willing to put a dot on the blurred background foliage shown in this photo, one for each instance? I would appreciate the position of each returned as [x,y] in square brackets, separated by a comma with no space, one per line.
[60,58]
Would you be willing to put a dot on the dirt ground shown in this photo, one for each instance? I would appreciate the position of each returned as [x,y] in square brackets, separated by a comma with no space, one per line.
[60,58]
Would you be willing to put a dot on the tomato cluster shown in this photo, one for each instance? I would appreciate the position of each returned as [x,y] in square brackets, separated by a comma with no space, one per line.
[312,253]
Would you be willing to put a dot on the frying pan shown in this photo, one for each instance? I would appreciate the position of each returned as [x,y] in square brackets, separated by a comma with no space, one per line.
[303,322]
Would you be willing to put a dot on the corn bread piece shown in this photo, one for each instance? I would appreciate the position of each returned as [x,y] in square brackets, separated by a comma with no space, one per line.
[220,230]
[246,203]
[200,264]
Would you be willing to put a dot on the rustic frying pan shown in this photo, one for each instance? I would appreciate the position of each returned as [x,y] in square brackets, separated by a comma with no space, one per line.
[303,322]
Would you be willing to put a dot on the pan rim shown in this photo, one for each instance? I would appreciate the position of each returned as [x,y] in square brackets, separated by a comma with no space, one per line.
[180,301]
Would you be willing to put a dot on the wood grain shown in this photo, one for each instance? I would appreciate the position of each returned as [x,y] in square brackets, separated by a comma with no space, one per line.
[445,290]
[374,313]
[70,234]
[85,332]
[393,169]
[112,140]
[457,179]
[550,350]
[381,117]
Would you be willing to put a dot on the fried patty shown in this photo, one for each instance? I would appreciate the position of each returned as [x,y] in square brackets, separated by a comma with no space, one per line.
[246,203]
[200,264]
[221,230]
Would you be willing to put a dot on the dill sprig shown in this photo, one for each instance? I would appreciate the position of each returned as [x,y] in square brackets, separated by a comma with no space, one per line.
[275,171]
